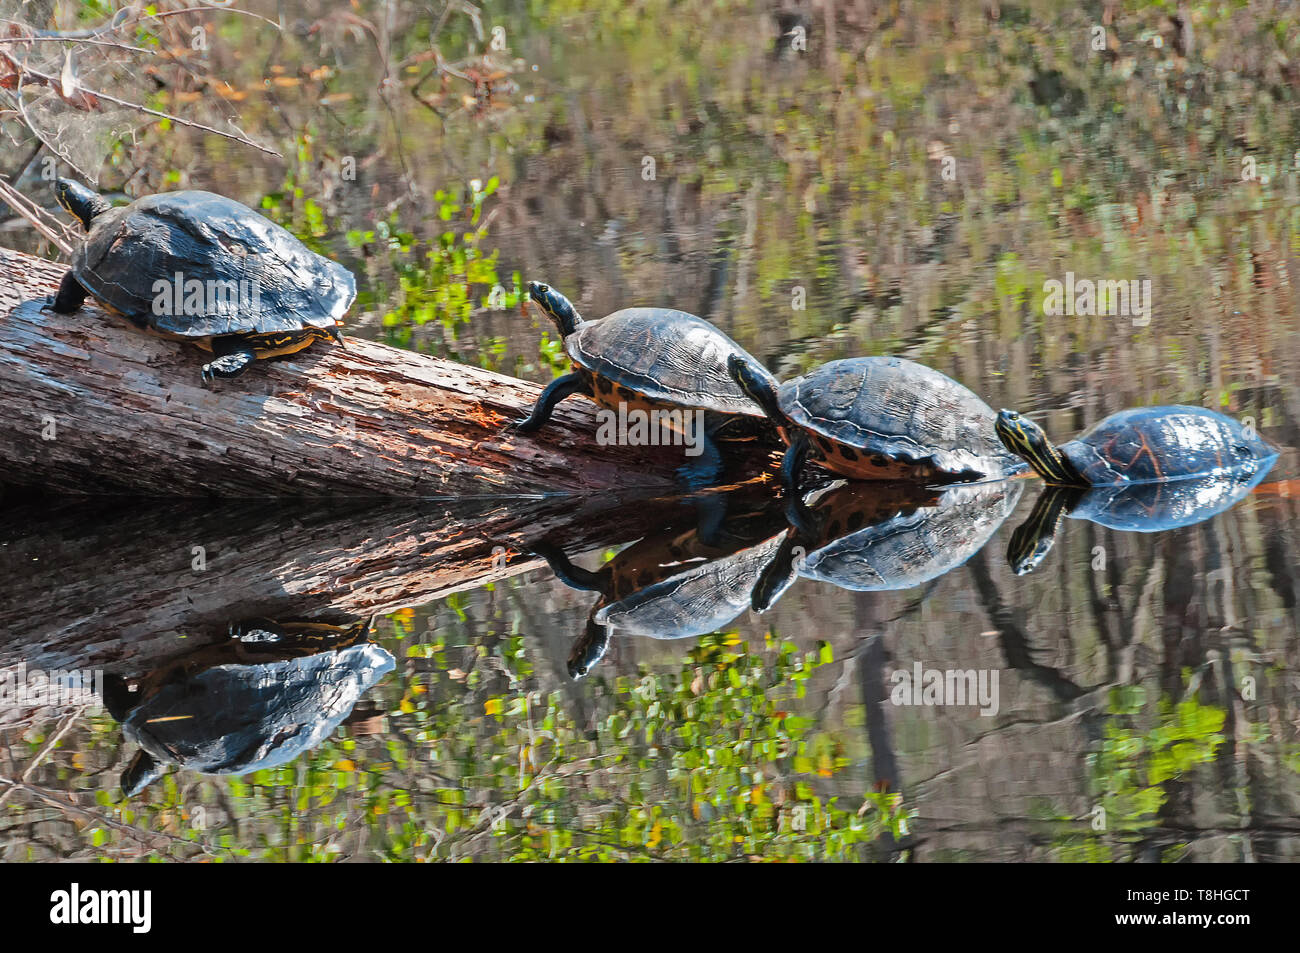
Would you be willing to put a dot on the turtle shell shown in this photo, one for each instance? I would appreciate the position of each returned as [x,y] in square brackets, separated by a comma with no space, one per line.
[278,284]
[236,718]
[917,545]
[1150,444]
[1158,506]
[898,410]
[692,577]
[663,355]
[692,598]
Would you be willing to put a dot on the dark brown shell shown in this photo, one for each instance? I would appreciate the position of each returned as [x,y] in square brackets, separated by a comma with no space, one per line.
[200,235]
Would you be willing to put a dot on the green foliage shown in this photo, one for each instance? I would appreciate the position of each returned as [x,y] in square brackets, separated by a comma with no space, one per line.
[706,761]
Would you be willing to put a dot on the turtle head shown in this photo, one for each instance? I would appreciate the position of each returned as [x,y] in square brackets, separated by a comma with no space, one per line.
[588,650]
[79,201]
[1026,439]
[1029,545]
[557,307]
[1034,538]
[758,385]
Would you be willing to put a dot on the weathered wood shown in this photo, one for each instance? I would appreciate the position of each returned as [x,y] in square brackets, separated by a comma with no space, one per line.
[126,589]
[93,406]
[88,586]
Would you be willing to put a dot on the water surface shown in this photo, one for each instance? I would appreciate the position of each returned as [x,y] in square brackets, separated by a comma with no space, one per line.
[907,185]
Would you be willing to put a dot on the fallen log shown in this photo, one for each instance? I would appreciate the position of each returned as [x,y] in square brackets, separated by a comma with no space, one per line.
[93,406]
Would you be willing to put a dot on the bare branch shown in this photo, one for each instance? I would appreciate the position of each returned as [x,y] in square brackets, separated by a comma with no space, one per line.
[32,213]
[27,74]
[72,39]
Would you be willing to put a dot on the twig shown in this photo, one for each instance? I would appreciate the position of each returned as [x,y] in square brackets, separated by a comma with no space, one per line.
[103,820]
[47,80]
[185,122]
[214,9]
[72,39]
[20,204]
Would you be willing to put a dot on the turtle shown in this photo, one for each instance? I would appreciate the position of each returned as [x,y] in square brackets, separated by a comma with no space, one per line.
[686,580]
[203,268]
[880,536]
[1150,507]
[658,362]
[259,699]
[880,418]
[1138,445]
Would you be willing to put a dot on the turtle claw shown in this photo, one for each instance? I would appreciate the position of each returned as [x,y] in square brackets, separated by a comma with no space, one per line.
[524,426]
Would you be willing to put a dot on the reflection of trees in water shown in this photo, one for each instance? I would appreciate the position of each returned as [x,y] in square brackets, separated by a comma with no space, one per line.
[481,702]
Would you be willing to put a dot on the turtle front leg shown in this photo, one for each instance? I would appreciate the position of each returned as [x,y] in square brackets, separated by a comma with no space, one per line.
[575,577]
[555,392]
[233,357]
[71,296]
[143,770]
[792,465]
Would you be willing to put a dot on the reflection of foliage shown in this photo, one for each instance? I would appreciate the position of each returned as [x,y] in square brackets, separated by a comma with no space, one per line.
[697,763]
[1133,766]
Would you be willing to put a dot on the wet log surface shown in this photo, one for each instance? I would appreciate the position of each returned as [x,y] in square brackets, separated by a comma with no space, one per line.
[121,592]
[93,406]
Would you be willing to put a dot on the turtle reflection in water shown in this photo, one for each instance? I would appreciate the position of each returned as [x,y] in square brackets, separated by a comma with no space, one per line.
[874,537]
[270,693]
[1132,507]
[683,582]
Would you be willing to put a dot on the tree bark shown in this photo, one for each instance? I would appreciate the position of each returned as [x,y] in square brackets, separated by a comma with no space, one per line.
[93,406]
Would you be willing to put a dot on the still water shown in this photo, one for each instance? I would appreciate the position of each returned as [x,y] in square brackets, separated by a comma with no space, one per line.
[917,185]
